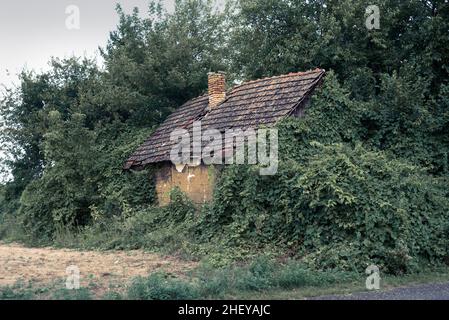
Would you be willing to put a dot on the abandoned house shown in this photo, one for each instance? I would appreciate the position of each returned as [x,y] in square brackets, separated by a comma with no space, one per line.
[252,104]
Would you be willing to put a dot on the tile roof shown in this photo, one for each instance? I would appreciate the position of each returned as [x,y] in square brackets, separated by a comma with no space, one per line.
[252,104]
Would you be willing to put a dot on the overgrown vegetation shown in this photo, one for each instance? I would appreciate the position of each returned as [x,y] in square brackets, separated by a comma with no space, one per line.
[362,177]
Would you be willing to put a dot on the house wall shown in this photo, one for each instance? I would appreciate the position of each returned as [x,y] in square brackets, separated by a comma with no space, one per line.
[197,182]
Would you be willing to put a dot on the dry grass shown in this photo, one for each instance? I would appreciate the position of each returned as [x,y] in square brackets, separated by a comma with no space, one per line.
[45,265]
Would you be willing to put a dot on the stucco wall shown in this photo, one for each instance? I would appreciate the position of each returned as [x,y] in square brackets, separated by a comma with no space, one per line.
[197,182]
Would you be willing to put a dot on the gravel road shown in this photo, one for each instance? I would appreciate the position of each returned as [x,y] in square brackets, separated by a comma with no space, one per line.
[434,291]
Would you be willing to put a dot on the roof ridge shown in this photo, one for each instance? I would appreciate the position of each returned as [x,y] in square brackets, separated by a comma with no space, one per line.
[290,74]
[197,97]
[189,103]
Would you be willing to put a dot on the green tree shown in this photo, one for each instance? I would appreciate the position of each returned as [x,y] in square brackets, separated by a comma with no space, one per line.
[62,196]
[24,111]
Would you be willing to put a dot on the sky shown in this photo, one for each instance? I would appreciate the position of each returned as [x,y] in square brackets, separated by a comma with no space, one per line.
[33,31]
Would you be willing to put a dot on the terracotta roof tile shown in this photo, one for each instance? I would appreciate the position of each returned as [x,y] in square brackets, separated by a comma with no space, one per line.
[248,105]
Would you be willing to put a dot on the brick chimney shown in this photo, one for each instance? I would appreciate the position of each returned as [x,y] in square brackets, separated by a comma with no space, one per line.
[217,88]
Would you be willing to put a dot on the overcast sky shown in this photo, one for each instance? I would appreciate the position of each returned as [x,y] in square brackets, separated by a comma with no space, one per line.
[31,31]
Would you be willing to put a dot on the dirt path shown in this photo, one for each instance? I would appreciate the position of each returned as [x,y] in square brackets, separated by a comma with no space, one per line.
[46,265]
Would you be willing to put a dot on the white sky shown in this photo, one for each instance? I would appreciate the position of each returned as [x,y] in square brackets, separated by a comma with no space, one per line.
[31,31]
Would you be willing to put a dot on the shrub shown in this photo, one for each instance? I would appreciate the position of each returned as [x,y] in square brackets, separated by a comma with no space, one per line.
[159,286]
[157,228]
[16,292]
[263,274]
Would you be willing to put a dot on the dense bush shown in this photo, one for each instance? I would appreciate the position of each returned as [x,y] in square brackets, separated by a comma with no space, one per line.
[344,208]
[166,228]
